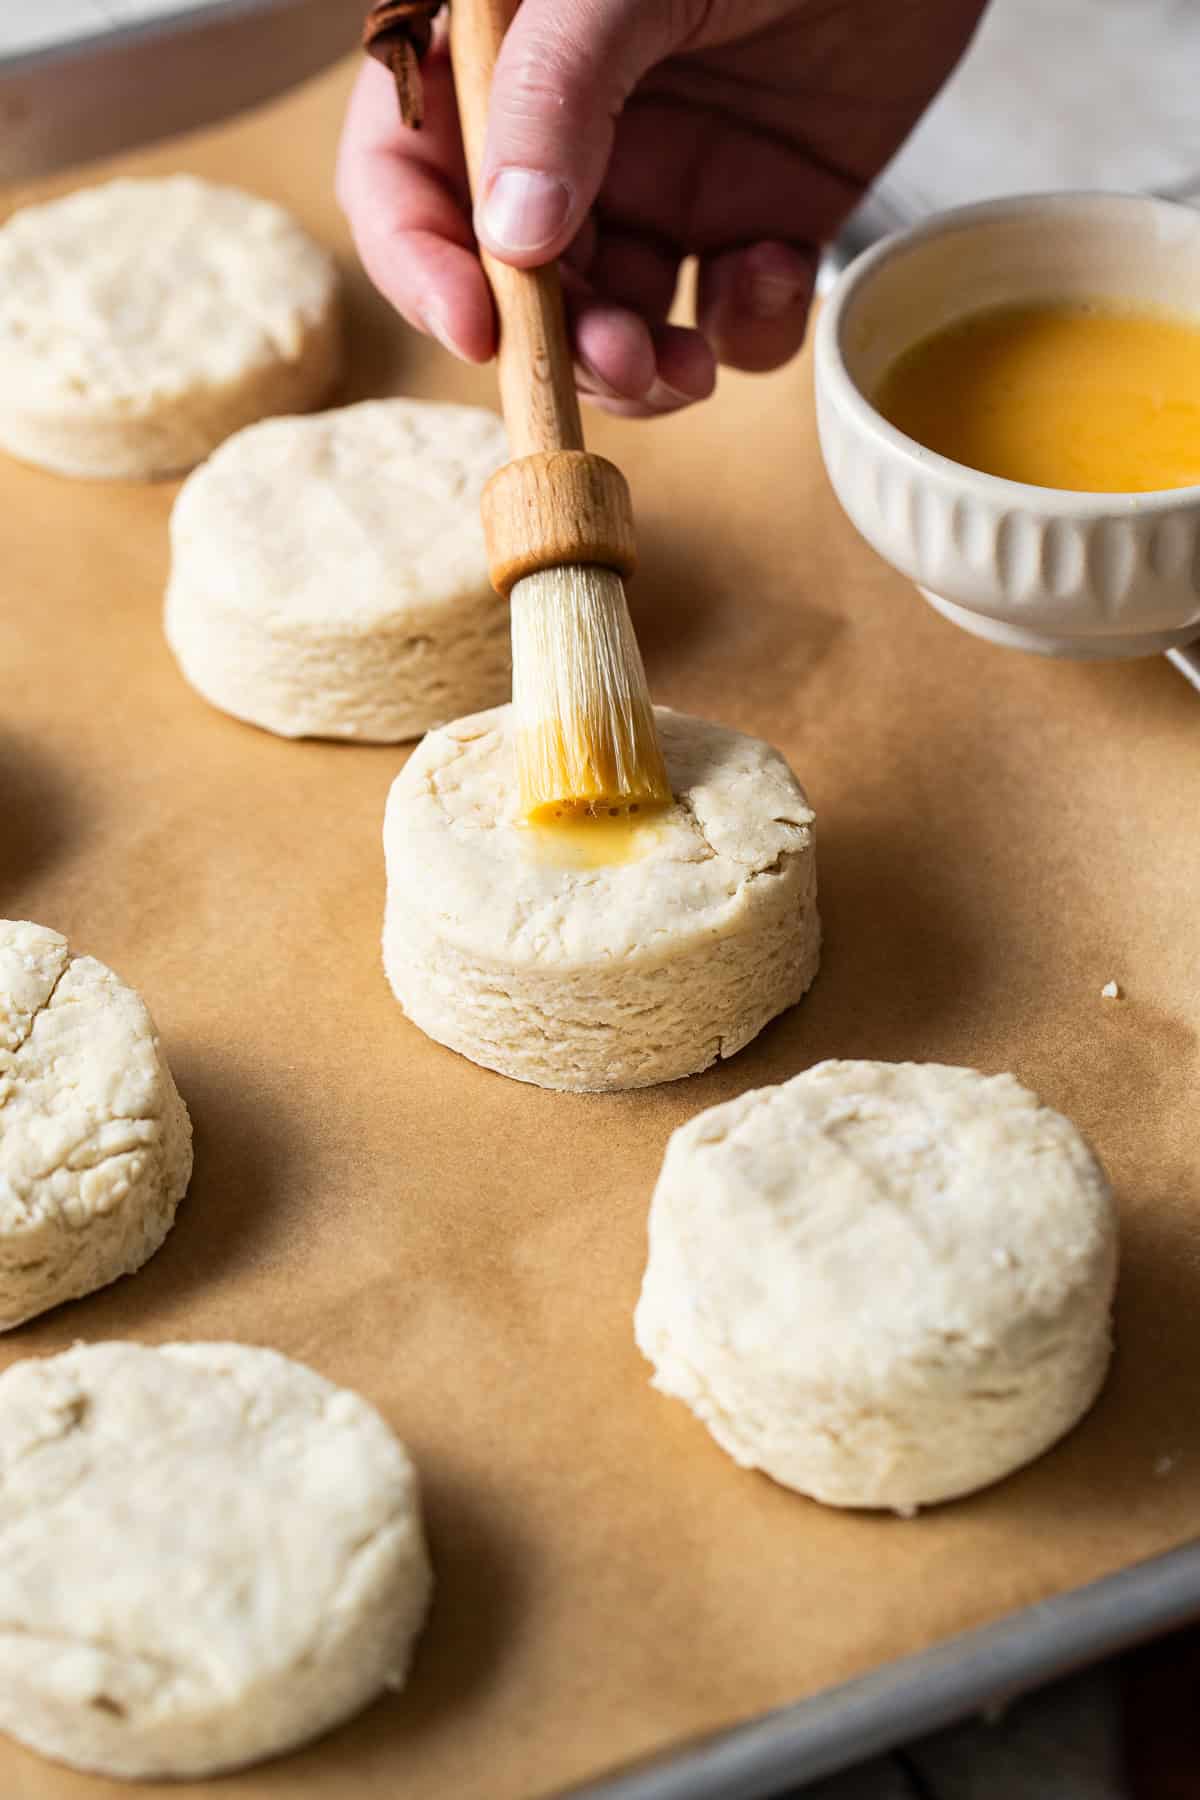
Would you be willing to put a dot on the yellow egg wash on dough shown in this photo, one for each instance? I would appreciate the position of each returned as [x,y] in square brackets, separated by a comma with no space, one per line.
[575,838]
[1063,395]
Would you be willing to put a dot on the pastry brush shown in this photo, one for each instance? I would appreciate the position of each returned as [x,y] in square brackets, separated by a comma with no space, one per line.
[559,528]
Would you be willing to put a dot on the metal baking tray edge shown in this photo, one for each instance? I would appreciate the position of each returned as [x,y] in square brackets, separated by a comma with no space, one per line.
[89,97]
[976,1671]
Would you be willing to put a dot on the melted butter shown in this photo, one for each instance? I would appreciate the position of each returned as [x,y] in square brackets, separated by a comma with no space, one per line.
[593,840]
[1063,395]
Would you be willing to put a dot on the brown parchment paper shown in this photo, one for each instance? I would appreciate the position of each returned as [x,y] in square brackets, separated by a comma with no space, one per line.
[998,837]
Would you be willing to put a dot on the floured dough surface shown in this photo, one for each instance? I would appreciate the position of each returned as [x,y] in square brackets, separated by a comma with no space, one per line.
[208,1554]
[143,321]
[885,1284]
[609,976]
[329,576]
[95,1142]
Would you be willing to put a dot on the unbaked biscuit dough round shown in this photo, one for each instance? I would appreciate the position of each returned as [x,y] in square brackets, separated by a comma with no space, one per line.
[95,1142]
[208,1554]
[143,321]
[329,576]
[885,1284]
[614,976]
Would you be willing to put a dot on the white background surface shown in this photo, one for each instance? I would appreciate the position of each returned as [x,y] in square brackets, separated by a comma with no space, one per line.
[1062,93]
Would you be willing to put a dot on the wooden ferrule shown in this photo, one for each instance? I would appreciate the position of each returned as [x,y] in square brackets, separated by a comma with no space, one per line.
[553,509]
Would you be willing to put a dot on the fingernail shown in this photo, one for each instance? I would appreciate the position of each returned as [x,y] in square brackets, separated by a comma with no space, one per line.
[525,209]
[434,315]
[663,395]
[589,379]
[770,296]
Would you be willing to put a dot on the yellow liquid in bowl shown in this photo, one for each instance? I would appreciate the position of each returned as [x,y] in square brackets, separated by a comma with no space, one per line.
[1063,395]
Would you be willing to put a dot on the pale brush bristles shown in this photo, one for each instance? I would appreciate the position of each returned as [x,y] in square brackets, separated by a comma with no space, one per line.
[585,732]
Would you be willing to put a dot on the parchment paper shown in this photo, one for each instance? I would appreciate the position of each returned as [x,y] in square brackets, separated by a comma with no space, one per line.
[998,837]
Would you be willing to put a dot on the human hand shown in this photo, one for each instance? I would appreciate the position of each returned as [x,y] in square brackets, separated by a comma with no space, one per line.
[625,135]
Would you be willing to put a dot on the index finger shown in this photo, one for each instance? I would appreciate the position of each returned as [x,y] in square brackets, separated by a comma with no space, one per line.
[405,195]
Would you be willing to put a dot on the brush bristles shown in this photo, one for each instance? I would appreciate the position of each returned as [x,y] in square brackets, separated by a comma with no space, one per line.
[585,732]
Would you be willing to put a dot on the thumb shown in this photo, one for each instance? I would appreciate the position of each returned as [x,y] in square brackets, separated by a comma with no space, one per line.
[564,72]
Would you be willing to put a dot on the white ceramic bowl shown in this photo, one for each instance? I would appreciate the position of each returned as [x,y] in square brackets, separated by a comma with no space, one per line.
[1073,574]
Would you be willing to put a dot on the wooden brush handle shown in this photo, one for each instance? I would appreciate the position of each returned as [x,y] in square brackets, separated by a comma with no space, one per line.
[537,378]
[556,504]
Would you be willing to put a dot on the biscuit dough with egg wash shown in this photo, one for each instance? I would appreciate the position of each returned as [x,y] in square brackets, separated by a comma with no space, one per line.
[599,955]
